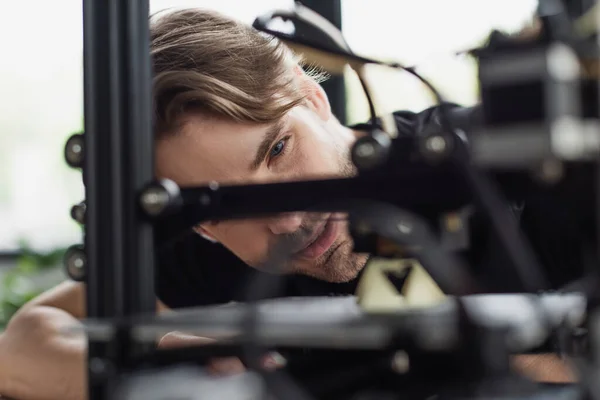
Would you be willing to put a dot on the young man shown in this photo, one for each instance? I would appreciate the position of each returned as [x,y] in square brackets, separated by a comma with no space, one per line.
[231,106]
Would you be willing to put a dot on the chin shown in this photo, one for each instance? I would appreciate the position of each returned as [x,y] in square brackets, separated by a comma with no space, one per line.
[340,267]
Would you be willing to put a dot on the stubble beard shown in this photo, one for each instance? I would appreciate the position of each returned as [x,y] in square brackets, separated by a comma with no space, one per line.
[338,264]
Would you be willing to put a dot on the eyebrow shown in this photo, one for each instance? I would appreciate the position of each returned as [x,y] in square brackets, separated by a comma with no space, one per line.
[265,145]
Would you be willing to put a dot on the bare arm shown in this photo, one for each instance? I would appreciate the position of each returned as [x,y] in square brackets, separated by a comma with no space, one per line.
[37,360]
[70,297]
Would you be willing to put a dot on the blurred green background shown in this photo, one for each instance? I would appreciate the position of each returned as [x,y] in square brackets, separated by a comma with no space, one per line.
[41,103]
[32,273]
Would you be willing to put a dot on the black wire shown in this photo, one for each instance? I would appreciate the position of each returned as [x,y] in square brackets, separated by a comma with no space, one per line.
[363,84]
[261,25]
[365,88]
[372,112]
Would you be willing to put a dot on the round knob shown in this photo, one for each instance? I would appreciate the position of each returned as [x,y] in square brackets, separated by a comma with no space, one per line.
[78,212]
[74,151]
[371,151]
[436,147]
[75,262]
[159,196]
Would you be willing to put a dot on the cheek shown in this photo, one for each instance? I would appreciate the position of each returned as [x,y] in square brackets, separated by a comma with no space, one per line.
[247,239]
[318,157]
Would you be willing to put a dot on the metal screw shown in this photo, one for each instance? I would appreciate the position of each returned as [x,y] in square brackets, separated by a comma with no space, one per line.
[365,150]
[100,369]
[205,199]
[213,185]
[97,366]
[400,362]
[404,227]
[75,263]
[371,151]
[78,212]
[155,200]
[563,64]
[551,171]
[436,144]
[74,151]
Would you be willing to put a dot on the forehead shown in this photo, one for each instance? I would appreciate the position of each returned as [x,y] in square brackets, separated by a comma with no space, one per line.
[209,148]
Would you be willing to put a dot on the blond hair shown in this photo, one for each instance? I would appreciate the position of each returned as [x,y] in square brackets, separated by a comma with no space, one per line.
[206,62]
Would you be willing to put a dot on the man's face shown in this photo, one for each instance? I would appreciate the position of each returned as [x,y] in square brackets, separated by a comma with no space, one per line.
[306,144]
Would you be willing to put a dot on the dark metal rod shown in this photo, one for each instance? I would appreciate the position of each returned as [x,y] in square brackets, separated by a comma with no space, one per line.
[118,163]
[96,77]
[427,191]
[227,202]
[140,154]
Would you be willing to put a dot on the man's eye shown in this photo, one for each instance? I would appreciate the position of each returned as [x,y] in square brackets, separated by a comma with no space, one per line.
[278,149]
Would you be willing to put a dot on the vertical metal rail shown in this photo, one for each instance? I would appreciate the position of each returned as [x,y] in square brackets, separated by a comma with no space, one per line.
[593,302]
[335,86]
[118,164]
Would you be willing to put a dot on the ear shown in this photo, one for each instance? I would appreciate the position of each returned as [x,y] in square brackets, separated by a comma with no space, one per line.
[200,230]
[316,96]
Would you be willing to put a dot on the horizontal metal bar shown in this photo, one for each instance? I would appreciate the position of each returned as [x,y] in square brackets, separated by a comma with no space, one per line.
[326,322]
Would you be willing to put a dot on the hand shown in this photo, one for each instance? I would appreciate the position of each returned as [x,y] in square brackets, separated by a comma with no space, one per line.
[38,361]
[544,368]
[219,366]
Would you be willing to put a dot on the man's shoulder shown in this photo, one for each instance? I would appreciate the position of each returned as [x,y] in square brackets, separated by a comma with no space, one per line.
[414,123]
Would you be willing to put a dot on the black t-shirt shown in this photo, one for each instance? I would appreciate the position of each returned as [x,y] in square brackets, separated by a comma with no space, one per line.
[194,272]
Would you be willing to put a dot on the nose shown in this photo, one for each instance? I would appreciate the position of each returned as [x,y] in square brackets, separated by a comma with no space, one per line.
[285,223]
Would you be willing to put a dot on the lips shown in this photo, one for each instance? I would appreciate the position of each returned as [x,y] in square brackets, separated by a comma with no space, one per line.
[317,233]
[321,242]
